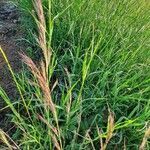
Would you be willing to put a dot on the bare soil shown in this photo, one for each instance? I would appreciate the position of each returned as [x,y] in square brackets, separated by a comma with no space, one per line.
[10,32]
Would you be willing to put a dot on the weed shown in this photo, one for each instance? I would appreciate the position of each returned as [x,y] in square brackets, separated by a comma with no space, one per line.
[95,55]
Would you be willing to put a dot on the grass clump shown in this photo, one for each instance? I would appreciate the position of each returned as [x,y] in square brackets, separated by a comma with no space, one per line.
[90,89]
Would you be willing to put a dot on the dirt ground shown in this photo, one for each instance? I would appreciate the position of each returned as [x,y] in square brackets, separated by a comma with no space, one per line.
[9,34]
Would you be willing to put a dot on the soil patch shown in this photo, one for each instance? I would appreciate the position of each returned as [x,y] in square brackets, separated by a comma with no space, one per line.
[10,32]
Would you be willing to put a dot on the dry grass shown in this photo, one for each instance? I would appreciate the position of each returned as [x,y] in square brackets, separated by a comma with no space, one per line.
[5,139]
[110,130]
[145,138]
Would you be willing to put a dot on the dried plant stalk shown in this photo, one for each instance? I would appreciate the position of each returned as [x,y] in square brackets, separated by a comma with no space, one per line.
[144,141]
[5,139]
[110,130]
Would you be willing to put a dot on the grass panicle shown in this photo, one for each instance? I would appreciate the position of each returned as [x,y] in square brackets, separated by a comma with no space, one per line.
[42,30]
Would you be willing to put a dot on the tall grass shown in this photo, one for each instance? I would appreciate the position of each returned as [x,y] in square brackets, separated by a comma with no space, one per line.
[90,90]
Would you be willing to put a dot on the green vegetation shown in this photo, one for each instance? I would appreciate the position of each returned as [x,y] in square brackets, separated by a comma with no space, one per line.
[91,87]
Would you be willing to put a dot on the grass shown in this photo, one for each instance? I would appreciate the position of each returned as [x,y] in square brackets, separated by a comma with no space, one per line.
[90,88]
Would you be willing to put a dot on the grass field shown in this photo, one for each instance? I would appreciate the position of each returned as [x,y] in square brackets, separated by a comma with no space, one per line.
[89,88]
